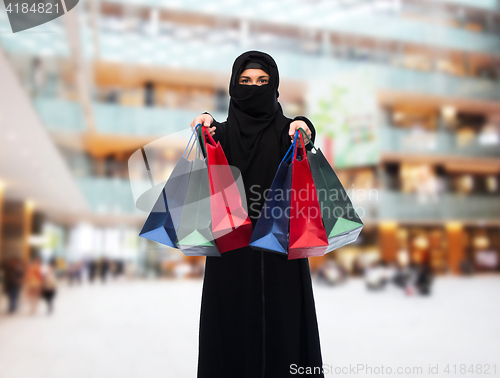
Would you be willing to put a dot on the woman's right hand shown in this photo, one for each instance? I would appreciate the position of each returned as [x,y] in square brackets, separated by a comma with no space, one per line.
[205,120]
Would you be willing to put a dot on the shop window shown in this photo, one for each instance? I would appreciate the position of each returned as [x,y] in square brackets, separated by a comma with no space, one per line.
[483,248]
[463,184]
[421,179]
[491,183]
[423,245]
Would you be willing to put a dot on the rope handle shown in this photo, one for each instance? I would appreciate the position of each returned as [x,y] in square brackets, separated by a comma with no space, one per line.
[304,156]
[201,140]
[211,140]
[189,142]
[307,136]
[290,149]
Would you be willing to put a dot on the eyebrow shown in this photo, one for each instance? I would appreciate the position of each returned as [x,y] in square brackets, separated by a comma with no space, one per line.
[248,77]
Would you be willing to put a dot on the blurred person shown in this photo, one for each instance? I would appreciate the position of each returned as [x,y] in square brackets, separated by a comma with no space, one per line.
[331,273]
[92,270]
[358,268]
[38,76]
[257,310]
[49,285]
[411,275]
[33,284]
[375,276]
[13,281]
[401,275]
[120,267]
[149,94]
[424,278]
[104,267]
[75,272]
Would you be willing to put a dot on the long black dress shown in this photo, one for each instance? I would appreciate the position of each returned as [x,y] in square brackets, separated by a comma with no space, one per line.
[258,316]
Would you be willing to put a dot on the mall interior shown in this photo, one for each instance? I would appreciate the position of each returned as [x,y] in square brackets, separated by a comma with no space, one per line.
[409,120]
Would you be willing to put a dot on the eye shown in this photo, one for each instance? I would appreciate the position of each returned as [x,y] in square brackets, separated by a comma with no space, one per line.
[243,81]
[263,81]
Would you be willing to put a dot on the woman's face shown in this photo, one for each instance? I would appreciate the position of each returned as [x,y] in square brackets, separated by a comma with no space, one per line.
[253,76]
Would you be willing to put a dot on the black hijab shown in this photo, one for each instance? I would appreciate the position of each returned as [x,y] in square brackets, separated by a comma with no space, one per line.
[254,111]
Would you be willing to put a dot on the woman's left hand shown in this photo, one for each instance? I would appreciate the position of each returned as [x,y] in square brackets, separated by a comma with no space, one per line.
[295,126]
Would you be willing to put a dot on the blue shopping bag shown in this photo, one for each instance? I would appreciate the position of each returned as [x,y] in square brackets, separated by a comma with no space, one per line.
[271,230]
[164,218]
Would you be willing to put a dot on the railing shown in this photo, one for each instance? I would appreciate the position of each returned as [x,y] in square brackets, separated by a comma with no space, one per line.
[444,206]
[60,115]
[114,196]
[219,58]
[393,139]
[116,119]
[433,83]
[109,195]
[65,115]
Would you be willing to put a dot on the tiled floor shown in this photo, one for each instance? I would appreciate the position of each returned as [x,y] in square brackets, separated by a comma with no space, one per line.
[149,329]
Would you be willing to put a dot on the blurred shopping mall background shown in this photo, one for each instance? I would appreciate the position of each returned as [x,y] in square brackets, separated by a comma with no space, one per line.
[404,94]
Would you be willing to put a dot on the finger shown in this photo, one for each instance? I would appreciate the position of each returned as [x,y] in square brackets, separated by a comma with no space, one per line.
[206,120]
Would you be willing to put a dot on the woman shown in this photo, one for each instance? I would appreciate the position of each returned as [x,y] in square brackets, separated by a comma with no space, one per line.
[258,316]
[14,274]
[33,284]
[49,285]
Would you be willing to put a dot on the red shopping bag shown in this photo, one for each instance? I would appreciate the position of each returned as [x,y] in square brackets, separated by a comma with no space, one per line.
[231,225]
[307,234]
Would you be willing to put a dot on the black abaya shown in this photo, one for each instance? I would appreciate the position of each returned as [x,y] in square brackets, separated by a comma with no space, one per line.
[258,316]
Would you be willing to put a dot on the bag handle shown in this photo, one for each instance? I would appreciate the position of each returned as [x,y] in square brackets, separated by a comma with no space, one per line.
[198,153]
[303,147]
[201,140]
[290,149]
[211,140]
[307,136]
[194,141]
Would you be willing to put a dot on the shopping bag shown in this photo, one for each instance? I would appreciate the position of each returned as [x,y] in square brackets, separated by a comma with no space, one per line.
[231,225]
[164,218]
[307,233]
[341,221]
[194,234]
[271,230]
[159,226]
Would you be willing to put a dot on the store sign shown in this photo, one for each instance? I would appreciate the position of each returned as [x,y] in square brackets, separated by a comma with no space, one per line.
[344,111]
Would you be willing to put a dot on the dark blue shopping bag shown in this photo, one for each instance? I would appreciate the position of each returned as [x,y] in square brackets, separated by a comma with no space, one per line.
[271,231]
[163,221]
